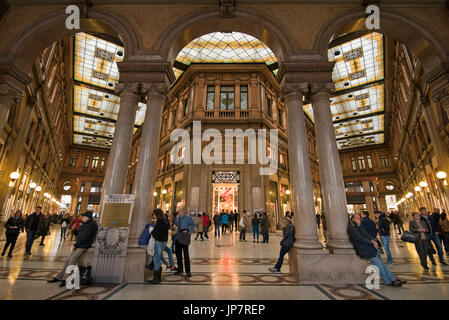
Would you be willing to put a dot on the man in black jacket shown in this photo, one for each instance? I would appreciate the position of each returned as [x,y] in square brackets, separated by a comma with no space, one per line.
[288,239]
[365,247]
[384,233]
[84,240]
[369,225]
[33,226]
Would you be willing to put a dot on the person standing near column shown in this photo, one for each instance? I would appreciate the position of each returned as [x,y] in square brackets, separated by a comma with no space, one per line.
[160,234]
[183,224]
[13,226]
[384,233]
[255,224]
[31,225]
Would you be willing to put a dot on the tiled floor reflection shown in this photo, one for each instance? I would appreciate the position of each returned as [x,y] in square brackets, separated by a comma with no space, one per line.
[221,269]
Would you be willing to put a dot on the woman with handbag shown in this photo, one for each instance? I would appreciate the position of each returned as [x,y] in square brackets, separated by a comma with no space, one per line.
[13,226]
[418,226]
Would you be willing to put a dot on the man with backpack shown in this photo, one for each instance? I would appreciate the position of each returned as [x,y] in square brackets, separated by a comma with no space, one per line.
[288,239]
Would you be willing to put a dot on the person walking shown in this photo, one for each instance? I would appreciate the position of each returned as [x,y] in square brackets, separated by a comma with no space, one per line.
[33,225]
[433,226]
[236,219]
[199,227]
[264,227]
[224,223]
[160,234]
[444,223]
[288,239]
[242,226]
[45,228]
[183,224]
[417,225]
[255,225]
[392,218]
[217,223]
[65,222]
[399,223]
[206,224]
[84,240]
[14,226]
[384,233]
[365,247]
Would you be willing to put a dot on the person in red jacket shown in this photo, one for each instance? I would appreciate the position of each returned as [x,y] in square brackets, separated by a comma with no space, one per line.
[206,222]
[74,226]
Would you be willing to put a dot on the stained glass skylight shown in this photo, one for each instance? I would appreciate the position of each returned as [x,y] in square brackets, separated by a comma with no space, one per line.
[95,105]
[225,47]
[358,111]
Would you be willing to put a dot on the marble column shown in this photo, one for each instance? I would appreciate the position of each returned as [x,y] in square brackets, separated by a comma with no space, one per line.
[330,169]
[300,171]
[117,168]
[145,175]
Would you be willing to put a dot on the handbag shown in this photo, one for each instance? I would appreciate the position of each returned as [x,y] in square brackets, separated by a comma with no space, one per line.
[408,236]
[184,236]
[430,249]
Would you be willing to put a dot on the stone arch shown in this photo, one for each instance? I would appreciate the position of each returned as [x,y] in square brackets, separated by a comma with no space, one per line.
[27,44]
[197,24]
[421,39]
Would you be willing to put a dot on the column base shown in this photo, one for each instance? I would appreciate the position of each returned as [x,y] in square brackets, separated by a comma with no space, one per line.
[135,265]
[325,268]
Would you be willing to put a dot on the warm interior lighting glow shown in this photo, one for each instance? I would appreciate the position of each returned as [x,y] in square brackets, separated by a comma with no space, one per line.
[164,191]
[32,185]
[14,175]
[417,188]
[423,184]
[287,191]
[155,194]
[441,175]
[38,188]
[409,195]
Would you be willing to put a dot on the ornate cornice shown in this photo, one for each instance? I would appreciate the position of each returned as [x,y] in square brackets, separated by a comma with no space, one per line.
[132,67]
[305,68]
[14,77]
[436,73]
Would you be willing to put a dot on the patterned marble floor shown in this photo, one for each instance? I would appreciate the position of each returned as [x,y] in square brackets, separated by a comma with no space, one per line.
[221,269]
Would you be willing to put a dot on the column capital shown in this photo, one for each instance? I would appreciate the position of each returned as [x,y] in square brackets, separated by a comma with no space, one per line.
[321,91]
[128,90]
[293,91]
[8,94]
[156,91]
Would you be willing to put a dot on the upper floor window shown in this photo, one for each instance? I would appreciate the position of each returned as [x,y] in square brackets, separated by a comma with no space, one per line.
[210,98]
[86,162]
[384,160]
[354,166]
[186,107]
[227,98]
[361,161]
[95,162]
[102,164]
[243,97]
[269,107]
[96,187]
[369,161]
[72,162]
[83,184]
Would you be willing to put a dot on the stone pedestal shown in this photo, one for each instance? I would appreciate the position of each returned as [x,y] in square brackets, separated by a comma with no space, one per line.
[309,267]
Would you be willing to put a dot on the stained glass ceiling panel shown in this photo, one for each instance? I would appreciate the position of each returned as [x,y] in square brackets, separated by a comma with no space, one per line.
[221,47]
[95,105]
[358,111]
[358,62]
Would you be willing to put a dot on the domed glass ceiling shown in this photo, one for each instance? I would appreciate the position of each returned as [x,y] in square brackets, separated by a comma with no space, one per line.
[225,47]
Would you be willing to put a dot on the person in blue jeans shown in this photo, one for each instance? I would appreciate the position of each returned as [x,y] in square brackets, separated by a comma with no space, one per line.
[432,225]
[384,233]
[217,224]
[160,234]
[365,247]
[255,224]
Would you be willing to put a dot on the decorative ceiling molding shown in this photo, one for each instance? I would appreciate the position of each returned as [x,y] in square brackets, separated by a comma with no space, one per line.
[227,8]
